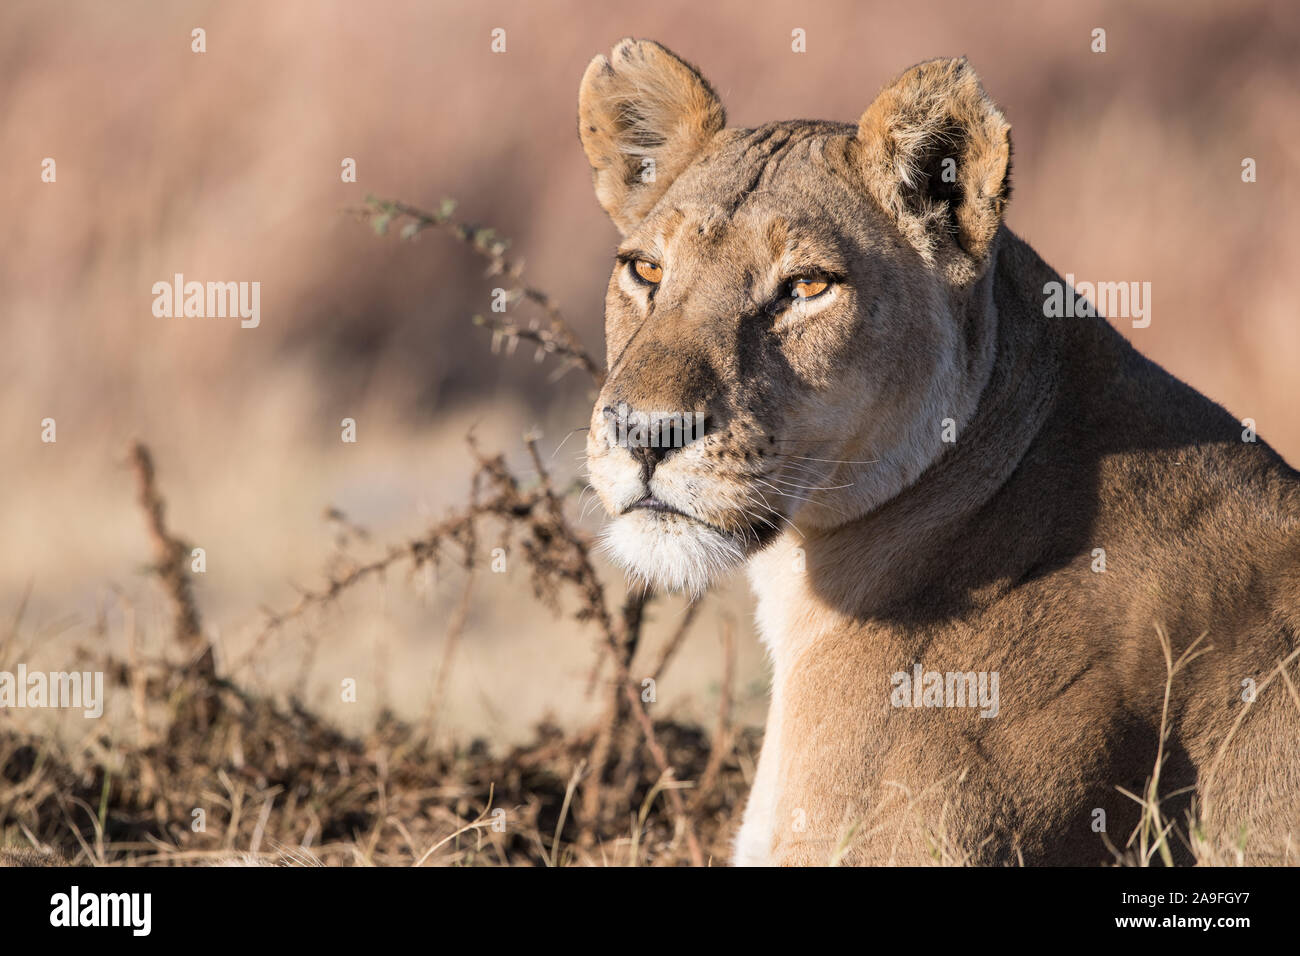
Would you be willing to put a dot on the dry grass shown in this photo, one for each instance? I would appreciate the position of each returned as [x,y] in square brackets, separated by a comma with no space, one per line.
[281,785]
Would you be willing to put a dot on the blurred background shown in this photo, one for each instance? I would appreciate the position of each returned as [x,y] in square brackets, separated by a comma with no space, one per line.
[225,166]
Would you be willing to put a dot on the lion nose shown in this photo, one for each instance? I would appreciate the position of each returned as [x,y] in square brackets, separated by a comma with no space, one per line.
[649,457]
[652,437]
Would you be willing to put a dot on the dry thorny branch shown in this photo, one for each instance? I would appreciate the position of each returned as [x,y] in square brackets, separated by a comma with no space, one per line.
[170,554]
[553,533]
[557,338]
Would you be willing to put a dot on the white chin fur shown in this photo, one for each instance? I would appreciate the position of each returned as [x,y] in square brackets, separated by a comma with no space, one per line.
[669,552]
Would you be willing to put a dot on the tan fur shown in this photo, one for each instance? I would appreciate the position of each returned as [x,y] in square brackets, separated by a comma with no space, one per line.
[873,545]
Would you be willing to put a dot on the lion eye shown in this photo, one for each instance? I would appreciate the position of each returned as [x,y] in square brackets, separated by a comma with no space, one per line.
[648,271]
[804,288]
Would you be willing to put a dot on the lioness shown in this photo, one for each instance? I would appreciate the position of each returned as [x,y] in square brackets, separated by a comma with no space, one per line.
[931,479]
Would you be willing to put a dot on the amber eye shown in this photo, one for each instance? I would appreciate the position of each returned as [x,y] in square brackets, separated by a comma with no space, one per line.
[807,288]
[648,271]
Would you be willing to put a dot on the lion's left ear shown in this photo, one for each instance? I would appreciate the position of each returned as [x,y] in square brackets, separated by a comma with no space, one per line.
[936,154]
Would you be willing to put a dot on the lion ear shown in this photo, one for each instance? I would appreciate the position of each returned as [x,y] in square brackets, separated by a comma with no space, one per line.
[936,154]
[643,116]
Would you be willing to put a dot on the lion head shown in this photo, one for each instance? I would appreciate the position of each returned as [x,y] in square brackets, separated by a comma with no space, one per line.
[796,312]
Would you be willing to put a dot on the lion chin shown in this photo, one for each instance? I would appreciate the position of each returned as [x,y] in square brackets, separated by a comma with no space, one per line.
[670,552]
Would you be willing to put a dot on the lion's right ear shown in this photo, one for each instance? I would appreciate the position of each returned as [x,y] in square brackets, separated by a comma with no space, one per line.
[643,116]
